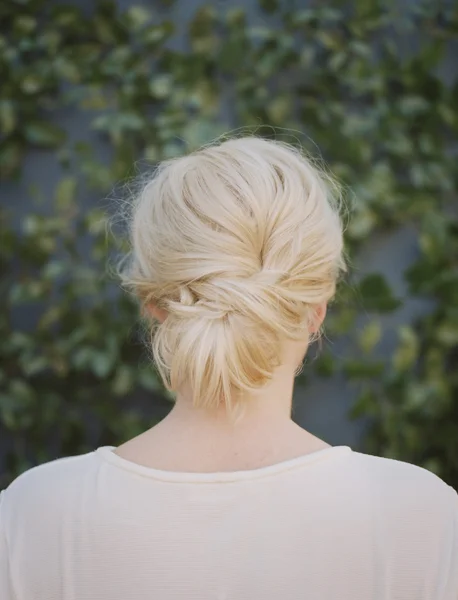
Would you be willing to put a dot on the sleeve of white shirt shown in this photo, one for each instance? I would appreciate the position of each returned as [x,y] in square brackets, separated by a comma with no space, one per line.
[6,590]
[453,581]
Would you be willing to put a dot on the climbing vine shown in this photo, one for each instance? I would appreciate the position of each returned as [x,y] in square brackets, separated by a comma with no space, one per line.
[370,82]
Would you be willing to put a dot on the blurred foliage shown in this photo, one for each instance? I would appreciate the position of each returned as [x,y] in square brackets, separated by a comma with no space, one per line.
[362,79]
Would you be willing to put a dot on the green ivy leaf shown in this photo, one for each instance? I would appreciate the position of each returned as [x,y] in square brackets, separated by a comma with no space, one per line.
[161,86]
[137,17]
[370,336]
[363,369]
[11,153]
[365,405]
[44,134]
[407,352]
[376,294]
[65,192]
[325,365]
[269,6]
[7,117]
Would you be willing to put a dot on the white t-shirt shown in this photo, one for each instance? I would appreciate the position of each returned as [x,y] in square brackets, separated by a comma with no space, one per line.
[333,525]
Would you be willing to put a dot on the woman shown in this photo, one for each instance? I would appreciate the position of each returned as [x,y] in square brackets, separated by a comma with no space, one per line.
[236,253]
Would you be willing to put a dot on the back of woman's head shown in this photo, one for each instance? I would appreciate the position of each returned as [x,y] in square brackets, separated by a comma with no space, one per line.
[237,244]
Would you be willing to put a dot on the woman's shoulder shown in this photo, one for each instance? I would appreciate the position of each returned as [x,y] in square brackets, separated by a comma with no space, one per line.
[46,484]
[416,512]
[400,482]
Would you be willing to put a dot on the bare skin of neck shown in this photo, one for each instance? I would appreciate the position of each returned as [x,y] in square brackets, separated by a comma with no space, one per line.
[197,440]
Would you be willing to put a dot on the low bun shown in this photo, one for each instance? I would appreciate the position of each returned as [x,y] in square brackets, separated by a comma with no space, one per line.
[238,242]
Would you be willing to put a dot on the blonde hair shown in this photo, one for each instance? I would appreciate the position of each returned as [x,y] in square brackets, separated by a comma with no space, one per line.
[238,242]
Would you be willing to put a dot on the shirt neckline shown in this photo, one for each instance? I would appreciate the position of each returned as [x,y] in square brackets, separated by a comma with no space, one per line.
[107,454]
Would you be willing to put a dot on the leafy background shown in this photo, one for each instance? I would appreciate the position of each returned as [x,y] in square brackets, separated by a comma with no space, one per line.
[384,116]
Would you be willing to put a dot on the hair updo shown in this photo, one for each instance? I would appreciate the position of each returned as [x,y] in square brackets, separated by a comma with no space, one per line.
[238,242]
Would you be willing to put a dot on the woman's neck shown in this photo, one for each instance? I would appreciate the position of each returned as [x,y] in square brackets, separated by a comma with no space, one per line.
[198,440]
